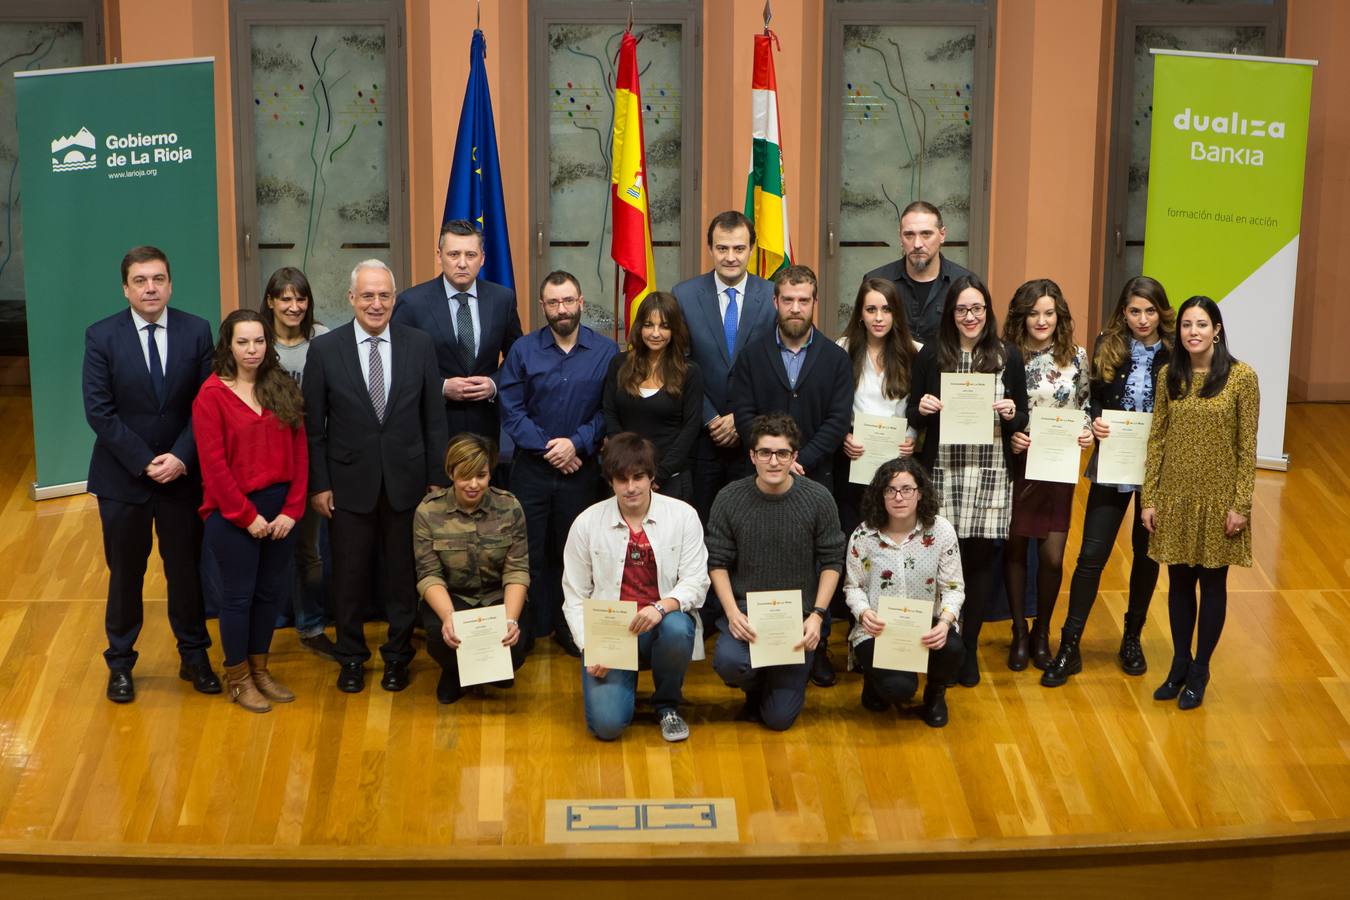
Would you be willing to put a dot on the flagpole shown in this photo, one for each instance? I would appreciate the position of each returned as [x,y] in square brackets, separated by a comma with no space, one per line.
[617,292]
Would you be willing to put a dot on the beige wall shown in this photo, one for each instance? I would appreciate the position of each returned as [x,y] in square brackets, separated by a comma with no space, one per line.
[1050,142]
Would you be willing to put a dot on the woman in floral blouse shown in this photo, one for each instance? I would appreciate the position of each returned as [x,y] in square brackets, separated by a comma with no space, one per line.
[1057,377]
[904,548]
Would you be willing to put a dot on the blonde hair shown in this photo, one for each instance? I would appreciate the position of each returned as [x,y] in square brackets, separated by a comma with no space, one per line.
[470,451]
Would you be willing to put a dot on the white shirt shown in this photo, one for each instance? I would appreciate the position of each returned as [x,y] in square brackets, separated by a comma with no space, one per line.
[597,546]
[161,338]
[363,354]
[723,300]
[868,396]
[450,292]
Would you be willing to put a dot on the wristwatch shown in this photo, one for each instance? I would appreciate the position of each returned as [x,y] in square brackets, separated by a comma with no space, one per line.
[819,611]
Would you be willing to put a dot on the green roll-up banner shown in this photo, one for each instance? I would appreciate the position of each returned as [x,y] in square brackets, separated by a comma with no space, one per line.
[1225,195]
[111,157]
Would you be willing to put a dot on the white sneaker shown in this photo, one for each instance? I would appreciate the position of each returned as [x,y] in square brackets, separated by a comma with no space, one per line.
[673,728]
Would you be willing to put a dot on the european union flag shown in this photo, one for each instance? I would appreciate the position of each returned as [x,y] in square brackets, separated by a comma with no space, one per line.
[475,191]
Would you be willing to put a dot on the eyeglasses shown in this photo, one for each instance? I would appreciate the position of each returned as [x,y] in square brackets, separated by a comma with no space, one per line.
[905,492]
[763,455]
[564,303]
[970,312]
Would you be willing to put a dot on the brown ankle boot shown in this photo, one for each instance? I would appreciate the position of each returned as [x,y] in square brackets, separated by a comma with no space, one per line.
[242,690]
[268,686]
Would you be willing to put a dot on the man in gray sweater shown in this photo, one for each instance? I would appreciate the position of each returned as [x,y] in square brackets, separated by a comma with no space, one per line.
[772,532]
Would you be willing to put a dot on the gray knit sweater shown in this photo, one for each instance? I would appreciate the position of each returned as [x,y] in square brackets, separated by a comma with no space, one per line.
[774,542]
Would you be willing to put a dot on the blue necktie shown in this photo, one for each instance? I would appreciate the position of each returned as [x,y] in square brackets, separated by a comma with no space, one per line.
[729,323]
[156,367]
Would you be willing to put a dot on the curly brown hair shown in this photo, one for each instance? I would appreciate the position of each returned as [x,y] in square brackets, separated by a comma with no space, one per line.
[275,389]
[874,497]
[1023,302]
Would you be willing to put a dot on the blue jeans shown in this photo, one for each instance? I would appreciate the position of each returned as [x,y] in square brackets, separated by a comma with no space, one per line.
[779,692]
[666,649]
[307,591]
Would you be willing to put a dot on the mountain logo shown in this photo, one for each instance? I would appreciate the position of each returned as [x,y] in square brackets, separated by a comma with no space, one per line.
[72,152]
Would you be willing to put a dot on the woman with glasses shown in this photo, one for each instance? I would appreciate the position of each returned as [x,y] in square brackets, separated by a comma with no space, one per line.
[1040,325]
[653,390]
[1198,485]
[904,548]
[972,479]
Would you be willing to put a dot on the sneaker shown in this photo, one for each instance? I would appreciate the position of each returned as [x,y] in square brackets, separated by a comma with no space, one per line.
[673,728]
[320,644]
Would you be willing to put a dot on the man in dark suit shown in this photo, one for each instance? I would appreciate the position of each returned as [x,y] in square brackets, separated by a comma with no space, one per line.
[795,369]
[473,324]
[377,439]
[923,274]
[142,369]
[726,309]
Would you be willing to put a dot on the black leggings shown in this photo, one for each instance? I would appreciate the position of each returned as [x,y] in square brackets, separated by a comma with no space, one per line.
[977,567]
[1105,511]
[1181,609]
[1049,576]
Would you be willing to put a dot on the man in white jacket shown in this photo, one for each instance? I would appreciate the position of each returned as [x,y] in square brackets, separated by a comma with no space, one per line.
[641,548]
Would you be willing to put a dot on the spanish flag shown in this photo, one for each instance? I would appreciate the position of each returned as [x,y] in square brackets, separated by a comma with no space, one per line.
[631,243]
[765,192]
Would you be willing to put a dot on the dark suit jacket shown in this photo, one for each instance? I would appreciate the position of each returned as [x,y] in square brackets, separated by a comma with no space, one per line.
[821,404]
[707,340]
[928,380]
[130,426]
[350,451]
[424,307]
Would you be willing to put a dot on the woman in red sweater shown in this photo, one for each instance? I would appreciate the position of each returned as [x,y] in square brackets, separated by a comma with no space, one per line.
[248,420]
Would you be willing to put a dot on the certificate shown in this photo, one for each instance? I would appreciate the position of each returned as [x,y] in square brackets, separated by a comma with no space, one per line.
[880,437]
[481,655]
[968,408]
[609,643]
[776,617]
[898,647]
[1120,458]
[1054,453]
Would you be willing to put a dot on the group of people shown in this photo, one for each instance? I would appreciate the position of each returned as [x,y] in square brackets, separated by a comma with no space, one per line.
[707,461]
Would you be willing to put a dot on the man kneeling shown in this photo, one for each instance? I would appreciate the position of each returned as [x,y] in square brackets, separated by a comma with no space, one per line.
[645,549]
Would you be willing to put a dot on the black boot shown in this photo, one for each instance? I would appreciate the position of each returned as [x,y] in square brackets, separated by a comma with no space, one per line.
[1040,643]
[1197,678]
[1020,648]
[935,705]
[1131,653]
[1176,679]
[1067,661]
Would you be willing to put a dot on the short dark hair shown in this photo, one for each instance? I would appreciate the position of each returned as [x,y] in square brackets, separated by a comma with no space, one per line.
[558,276]
[470,450]
[461,227]
[627,455]
[144,254]
[730,221]
[775,425]
[874,495]
[795,274]
[289,277]
[922,206]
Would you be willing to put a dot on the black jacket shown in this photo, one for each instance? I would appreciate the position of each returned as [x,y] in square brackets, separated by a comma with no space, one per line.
[928,380]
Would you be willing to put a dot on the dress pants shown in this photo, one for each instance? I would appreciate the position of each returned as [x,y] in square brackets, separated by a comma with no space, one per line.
[551,502]
[780,690]
[713,468]
[353,538]
[126,547]
[447,657]
[897,687]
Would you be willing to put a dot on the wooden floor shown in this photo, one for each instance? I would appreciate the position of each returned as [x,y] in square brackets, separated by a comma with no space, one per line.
[381,776]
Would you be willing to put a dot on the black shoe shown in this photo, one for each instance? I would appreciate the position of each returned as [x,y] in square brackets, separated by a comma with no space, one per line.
[1040,645]
[447,689]
[320,644]
[121,689]
[1067,662]
[352,678]
[935,706]
[1176,679]
[1131,653]
[1019,650]
[563,638]
[750,711]
[204,681]
[395,676]
[870,699]
[822,669]
[969,675]
[1197,678]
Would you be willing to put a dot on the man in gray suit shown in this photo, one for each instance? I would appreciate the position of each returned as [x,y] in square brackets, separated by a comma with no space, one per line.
[726,309]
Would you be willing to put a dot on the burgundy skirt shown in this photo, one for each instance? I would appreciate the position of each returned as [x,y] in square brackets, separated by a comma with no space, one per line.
[1040,507]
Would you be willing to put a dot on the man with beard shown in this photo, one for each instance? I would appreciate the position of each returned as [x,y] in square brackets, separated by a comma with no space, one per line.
[550,393]
[923,274]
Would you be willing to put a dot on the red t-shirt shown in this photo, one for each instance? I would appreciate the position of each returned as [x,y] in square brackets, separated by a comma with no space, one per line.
[639,571]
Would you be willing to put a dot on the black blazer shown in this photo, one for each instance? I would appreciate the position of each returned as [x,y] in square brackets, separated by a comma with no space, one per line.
[424,307]
[707,340]
[821,404]
[130,426]
[671,423]
[352,453]
[928,380]
[1111,394]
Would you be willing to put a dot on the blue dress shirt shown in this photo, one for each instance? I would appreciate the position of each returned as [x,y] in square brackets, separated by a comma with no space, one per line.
[545,393]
